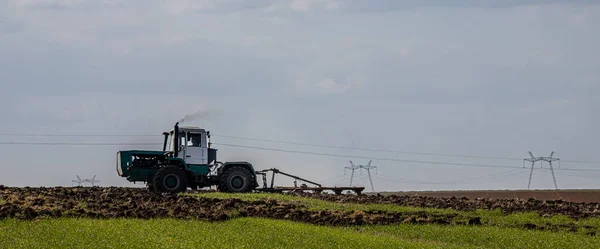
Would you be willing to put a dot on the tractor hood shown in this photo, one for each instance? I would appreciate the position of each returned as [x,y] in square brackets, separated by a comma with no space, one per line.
[125,159]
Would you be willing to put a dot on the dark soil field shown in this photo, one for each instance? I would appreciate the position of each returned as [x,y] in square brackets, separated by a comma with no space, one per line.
[584,195]
[30,203]
[86,215]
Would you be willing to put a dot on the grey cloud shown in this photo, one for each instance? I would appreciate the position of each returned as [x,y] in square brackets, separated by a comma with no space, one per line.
[188,69]
[235,5]
[492,97]
[204,6]
[74,4]
[391,5]
[212,6]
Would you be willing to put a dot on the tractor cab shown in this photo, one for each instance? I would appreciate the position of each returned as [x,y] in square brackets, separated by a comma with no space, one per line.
[191,144]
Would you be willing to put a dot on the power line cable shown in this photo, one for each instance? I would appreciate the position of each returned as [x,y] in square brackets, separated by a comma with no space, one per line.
[333,179]
[499,175]
[296,143]
[74,135]
[395,160]
[589,175]
[82,144]
[270,149]
[293,151]
[375,158]
[282,142]
[367,149]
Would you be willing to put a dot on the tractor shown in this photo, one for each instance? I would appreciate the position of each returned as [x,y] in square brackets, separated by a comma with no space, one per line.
[186,161]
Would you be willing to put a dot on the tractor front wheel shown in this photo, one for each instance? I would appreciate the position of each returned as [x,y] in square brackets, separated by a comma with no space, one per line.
[236,180]
[170,179]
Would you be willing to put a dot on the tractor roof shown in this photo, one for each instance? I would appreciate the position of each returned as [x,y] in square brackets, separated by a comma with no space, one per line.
[192,129]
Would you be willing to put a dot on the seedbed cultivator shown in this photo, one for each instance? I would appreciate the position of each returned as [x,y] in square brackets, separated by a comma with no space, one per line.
[318,188]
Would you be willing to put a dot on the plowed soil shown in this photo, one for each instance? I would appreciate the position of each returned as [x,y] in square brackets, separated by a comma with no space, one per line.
[32,203]
[35,203]
[543,207]
[575,195]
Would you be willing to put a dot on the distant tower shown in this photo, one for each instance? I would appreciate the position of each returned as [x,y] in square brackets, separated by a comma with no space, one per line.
[368,167]
[79,181]
[92,181]
[534,159]
[353,168]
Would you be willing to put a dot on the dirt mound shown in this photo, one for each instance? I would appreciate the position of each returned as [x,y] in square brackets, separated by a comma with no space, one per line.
[32,203]
[545,208]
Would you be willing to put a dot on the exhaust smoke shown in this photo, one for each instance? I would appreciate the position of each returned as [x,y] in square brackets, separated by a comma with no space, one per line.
[201,114]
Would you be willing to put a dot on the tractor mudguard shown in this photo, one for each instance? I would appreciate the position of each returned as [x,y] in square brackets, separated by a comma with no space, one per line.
[245,165]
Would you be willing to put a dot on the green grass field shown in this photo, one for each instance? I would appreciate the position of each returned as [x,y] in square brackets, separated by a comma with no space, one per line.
[488,217]
[498,231]
[264,233]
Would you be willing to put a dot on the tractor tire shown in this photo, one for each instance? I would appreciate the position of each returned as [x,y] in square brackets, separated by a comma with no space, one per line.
[170,179]
[236,180]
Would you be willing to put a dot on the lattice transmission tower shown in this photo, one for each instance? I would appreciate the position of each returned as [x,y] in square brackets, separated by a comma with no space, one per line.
[79,181]
[548,159]
[92,181]
[367,167]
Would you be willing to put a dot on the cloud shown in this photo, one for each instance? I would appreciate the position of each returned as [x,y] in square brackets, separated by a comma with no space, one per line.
[394,5]
[70,4]
[306,5]
[325,86]
[214,6]
[48,4]
[170,6]
[448,82]
[228,6]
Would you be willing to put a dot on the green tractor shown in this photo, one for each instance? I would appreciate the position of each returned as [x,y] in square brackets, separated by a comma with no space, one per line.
[186,161]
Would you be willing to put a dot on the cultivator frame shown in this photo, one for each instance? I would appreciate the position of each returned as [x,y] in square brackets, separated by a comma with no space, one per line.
[303,187]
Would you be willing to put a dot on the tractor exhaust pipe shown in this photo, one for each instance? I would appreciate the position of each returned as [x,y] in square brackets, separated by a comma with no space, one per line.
[166,134]
[176,138]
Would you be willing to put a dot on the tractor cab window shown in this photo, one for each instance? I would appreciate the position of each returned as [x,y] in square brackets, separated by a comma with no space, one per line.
[194,140]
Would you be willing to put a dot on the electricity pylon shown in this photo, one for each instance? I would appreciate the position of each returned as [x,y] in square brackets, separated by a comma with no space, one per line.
[534,159]
[367,167]
[79,181]
[92,181]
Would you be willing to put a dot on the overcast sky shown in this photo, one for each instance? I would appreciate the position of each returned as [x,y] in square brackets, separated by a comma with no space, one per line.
[482,78]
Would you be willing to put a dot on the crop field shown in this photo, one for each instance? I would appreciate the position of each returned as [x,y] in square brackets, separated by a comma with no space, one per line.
[132,218]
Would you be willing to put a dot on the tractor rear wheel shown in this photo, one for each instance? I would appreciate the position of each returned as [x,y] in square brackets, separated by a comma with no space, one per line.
[170,179]
[236,180]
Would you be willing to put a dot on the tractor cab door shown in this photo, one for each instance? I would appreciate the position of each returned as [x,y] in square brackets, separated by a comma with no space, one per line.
[195,149]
